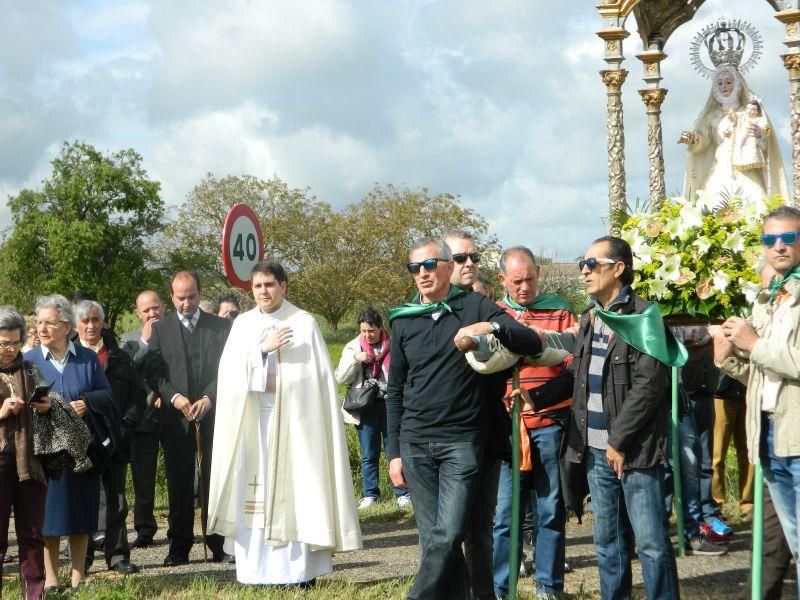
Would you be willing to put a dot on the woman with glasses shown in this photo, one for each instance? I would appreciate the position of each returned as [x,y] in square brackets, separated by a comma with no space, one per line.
[364,359]
[22,480]
[73,500]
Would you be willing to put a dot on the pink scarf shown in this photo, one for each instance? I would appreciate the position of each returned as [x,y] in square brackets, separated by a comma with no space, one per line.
[381,358]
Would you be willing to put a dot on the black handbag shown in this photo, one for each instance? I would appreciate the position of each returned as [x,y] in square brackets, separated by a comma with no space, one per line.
[361,399]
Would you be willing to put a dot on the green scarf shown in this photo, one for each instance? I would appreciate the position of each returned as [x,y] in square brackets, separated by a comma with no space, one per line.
[776,284]
[415,309]
[647,333]
[541,302]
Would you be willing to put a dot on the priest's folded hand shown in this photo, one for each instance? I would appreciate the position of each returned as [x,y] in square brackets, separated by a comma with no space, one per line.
[199,409]
[182,404]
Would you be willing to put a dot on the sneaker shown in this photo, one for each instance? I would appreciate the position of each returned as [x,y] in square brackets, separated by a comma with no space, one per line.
[526,567]
[404,501]
[366,502]
[718,527]
[699,545]
[712,536]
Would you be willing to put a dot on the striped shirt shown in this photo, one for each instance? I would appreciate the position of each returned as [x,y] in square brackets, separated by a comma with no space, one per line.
[597,428]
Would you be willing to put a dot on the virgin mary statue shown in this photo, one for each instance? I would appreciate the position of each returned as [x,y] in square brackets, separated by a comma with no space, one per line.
[714,165]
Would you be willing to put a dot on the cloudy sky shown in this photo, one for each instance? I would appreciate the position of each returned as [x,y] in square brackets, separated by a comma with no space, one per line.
[499,102]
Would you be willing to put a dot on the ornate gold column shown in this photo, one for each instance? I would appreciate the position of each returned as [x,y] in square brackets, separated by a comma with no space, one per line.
[613,78]
[653,97]
[791,60]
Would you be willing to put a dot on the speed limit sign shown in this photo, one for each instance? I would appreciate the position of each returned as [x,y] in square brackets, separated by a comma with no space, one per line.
[242,244]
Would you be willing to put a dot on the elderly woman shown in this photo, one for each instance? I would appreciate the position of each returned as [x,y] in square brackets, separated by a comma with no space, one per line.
[73,499]
[367,358]
[22,480]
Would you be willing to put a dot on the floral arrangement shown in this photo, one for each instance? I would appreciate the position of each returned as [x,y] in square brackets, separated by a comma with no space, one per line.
[696,261]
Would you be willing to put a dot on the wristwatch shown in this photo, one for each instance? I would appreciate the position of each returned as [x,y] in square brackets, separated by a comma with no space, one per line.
[495,326]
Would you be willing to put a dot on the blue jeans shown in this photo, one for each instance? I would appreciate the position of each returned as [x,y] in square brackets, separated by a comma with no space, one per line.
[370,431]
[545,481]
[783,480]
[441,478]
[478,543]
[624,509]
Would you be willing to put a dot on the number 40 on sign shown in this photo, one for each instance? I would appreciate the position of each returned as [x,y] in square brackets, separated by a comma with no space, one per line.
[242,244]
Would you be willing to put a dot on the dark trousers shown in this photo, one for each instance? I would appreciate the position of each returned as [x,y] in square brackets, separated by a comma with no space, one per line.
[441,477]
[478,543]
[144,463]
[116,543]
[179,446]
[777,555]
[27,498]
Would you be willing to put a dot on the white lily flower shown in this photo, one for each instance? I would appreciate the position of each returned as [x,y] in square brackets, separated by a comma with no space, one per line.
[702,244]
[658,287]
[734,242]
[670,268]
[704,201]
[720,280]
[673,228]
[751,290]
[691,217]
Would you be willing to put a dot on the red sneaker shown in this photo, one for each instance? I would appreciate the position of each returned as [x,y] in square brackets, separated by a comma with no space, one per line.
[713,536]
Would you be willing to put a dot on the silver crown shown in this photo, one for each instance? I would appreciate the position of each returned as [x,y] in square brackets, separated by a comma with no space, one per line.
[726,42]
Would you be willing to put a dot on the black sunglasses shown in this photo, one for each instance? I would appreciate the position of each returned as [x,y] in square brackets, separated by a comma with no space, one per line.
[429,263]
[461,257]
[787,237]
[593,262]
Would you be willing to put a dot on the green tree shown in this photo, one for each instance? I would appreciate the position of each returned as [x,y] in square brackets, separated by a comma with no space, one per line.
[86,229]
[338,261]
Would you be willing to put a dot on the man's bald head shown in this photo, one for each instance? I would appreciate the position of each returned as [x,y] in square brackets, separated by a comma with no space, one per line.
[149,306]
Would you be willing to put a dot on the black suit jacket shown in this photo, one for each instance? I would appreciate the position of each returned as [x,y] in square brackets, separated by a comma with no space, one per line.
[167,363]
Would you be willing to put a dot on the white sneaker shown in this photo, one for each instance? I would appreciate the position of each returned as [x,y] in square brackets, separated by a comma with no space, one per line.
[366,502]
[404,501]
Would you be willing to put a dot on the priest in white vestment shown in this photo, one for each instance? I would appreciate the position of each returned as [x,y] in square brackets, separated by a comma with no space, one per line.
[281,489]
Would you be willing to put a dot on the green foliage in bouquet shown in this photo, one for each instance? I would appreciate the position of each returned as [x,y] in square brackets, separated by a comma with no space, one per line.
[697,261]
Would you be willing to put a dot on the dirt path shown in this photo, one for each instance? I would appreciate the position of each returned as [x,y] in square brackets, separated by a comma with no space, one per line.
[390,551]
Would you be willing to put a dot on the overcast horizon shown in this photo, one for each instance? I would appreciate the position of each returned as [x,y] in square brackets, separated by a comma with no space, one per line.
[500,103]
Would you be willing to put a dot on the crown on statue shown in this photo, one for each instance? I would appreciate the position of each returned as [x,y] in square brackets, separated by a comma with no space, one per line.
[726,42]
[725,45]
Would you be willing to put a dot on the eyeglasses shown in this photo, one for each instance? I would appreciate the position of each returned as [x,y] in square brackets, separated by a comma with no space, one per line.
[49,324]
[429,263]
[787,237]
[593,262]
[461,257]
[10,345]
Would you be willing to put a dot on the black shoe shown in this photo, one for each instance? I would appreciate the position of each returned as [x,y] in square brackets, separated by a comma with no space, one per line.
[142,541]
[97,544]
[223,557]
[173,560]
[51,591]
[125,567]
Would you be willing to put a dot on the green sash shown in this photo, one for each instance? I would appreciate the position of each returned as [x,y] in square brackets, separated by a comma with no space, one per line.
[647,333]
[415,309]
[776,284]
[541,302]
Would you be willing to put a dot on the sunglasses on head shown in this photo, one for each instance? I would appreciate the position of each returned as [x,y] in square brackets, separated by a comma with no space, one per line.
[461,257]
[429,263]
[593,262]
[787,237]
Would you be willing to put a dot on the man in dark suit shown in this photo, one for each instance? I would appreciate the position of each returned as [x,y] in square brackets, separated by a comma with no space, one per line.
[182,362]
[144,437]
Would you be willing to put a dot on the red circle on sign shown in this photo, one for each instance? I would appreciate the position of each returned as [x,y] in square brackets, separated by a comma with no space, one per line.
[235,214]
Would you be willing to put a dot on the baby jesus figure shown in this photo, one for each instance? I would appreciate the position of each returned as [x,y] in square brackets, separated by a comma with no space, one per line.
[750,138]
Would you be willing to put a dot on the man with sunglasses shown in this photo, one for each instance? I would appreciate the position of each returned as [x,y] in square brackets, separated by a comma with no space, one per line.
[764,353]
[436,411]
[618,423]
[478,543]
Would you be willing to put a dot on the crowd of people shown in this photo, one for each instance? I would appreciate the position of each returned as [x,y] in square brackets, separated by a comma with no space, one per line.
[246,410]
